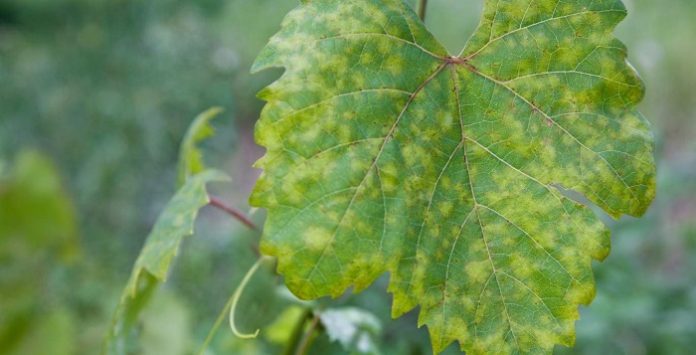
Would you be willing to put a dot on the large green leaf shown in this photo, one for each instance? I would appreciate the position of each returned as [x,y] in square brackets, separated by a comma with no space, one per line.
[386,153]
[153,263]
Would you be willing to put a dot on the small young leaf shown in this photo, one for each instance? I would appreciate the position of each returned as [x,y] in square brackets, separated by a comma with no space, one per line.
[151,267]
[385,153]
[190,157]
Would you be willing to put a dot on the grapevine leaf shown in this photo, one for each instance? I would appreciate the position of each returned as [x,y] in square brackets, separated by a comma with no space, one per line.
[387,154]
[38,235]
[36,213]
[190,157]
[151,267]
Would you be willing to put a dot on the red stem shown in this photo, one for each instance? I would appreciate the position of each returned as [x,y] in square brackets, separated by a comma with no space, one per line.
[232,211]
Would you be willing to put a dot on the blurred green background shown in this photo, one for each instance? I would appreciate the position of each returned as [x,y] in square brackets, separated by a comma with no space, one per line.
[95,96]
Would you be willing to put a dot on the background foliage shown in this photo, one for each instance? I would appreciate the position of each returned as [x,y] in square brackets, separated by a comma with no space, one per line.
[105,90]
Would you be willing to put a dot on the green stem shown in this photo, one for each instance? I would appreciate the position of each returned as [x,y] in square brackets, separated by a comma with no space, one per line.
[309,336]
[422,5]
[215,327]
[297,332]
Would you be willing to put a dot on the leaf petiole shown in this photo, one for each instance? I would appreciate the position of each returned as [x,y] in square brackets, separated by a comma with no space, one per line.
[232,211]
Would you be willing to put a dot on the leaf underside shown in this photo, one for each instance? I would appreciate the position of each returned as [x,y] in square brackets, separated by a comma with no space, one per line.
[155,259]
[387,154]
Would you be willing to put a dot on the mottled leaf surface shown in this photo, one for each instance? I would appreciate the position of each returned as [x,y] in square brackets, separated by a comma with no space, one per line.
[153,263]
[387,154]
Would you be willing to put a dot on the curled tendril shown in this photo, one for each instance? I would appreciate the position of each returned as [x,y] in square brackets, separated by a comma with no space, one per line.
[238,294]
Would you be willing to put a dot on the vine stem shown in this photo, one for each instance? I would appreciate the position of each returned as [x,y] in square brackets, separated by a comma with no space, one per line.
[308,336]
[232,211]
[297,332]
[216,325]
[422,5]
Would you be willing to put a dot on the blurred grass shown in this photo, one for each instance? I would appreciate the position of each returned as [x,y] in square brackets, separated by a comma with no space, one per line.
[105,89]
